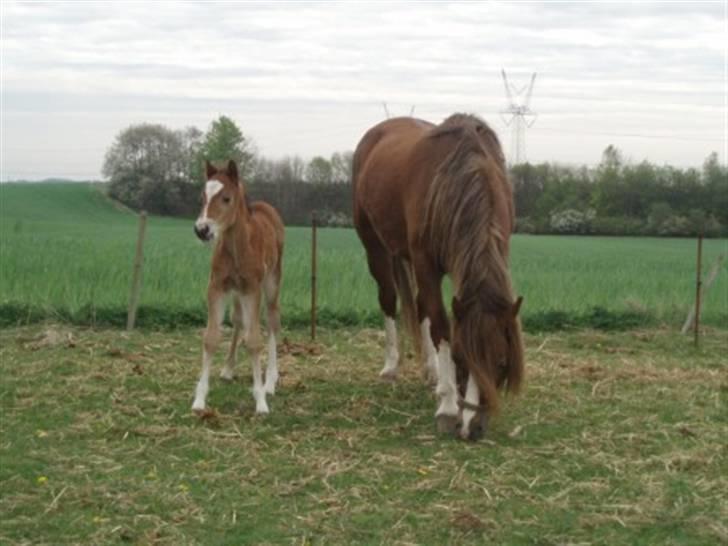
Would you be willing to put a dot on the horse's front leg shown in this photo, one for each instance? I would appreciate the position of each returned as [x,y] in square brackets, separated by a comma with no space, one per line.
[210,341]
[435,329]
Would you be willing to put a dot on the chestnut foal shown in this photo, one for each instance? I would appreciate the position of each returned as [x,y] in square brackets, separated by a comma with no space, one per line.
[246,262]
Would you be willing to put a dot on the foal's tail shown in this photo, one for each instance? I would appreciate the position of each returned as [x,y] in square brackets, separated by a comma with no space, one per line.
[404,278]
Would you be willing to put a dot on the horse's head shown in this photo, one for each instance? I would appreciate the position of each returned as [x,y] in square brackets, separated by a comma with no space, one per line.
[221,200]
[486,343]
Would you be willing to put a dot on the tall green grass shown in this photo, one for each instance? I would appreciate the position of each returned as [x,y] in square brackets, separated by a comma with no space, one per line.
[66,251]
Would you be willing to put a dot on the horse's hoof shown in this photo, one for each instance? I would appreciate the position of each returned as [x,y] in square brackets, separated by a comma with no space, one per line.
[478,427]
[227,375]
[447,424]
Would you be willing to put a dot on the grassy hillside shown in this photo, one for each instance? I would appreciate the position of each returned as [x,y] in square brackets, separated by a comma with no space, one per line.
[66,252]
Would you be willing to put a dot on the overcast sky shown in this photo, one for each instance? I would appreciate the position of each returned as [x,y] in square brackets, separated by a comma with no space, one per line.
[309,78]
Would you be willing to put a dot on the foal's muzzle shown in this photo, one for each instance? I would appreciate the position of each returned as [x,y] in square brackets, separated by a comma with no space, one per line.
[203,232]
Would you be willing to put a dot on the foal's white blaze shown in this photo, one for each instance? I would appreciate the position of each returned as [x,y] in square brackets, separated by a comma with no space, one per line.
[446,383]
[472,395]
[212,188]
[391,356]
[430,352]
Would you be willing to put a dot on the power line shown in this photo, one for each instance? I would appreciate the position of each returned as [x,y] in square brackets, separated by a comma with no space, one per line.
[521,116]
[632,135]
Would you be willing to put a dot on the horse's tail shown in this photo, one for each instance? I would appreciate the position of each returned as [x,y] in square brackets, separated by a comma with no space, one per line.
[405,280]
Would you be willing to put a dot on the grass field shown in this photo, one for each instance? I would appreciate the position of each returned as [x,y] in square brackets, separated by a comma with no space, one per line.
[619,438]
[66,253]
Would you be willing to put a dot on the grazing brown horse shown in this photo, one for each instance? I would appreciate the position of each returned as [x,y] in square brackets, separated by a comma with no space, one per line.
[246,262]
[435,200]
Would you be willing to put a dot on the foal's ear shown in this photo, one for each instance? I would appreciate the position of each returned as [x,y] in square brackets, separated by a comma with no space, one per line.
[210,169]
[232,170]
[517,306]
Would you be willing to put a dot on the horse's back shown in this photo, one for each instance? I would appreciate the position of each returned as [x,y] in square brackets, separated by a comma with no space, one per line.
[382,172]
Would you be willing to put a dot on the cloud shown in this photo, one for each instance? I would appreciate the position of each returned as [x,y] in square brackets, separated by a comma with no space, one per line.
[77,73]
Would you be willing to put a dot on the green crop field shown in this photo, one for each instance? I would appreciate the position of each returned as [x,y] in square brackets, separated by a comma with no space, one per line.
[66,253]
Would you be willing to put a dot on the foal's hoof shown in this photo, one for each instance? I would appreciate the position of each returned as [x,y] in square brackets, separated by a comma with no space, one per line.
[227,374]
[447,424]
[388,374]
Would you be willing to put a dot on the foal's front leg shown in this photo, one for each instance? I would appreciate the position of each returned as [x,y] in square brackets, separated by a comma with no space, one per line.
[210,341]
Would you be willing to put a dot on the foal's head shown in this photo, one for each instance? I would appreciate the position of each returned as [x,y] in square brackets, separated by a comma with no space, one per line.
[221,200]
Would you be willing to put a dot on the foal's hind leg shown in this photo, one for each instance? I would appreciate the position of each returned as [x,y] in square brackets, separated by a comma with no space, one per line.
[228,371]
[251,328]
[271,286]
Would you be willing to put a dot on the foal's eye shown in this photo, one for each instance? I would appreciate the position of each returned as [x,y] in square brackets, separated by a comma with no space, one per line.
[225,199]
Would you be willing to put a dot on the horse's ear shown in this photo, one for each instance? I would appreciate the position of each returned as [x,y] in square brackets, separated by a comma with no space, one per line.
[457,308]
[232,170]
[210,169]
[517,306]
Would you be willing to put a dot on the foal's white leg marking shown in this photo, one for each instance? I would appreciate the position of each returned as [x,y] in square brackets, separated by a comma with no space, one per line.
[271,373]
[391,355]
[261,406]
[472,395]
[430,365]
[203,385]
[248,302]
[446,385]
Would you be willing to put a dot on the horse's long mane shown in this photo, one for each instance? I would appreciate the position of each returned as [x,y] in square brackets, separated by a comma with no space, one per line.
[467,236]
[460,214]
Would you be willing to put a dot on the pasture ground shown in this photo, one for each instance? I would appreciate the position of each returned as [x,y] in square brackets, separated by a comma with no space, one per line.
[618,438]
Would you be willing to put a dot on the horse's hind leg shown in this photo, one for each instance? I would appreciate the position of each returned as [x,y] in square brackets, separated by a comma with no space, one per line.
[271,286]
[381,268]
[228,371]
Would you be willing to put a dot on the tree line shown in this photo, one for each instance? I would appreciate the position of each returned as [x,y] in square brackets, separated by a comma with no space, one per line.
[157,169]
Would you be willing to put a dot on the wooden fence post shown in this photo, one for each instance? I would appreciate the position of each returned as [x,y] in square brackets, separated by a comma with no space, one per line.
[698,283]
[136,282]
[313,276]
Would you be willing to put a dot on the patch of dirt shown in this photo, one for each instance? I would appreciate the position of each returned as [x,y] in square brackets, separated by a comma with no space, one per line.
[50,338]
